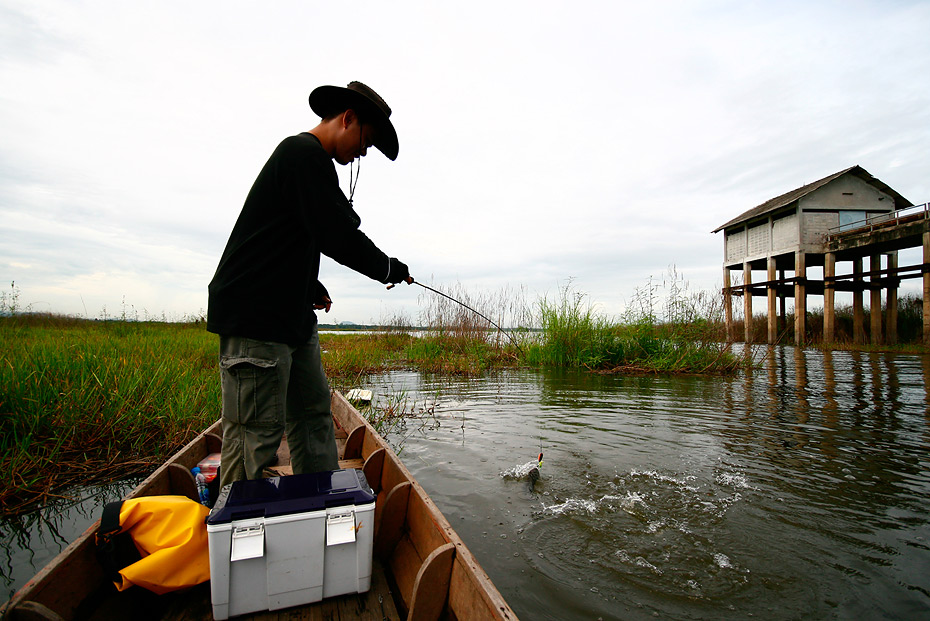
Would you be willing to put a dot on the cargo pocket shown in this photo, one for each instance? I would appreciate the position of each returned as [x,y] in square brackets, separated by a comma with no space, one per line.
[251,391]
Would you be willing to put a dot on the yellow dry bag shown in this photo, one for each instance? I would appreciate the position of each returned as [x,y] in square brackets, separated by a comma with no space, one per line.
[156,542]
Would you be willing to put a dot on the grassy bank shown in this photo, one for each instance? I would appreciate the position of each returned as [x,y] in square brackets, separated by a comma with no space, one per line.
[347,356]
[87,401]
[681,334]
[84,401]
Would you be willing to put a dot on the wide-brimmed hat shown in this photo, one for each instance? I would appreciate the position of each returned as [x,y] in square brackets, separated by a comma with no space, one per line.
[326,100]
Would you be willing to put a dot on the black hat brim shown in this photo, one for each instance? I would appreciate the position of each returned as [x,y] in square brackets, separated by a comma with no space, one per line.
[326,100]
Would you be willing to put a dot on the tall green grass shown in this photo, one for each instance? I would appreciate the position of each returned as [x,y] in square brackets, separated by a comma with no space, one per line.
[84,400]
[686,338]
[461,342]
[347,355]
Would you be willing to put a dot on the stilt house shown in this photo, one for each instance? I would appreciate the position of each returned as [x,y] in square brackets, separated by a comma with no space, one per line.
[816,225]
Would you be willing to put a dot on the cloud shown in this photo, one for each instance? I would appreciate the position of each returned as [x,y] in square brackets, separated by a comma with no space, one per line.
[592,142]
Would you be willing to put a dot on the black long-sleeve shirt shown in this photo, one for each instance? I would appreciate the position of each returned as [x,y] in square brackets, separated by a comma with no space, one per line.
[267,279]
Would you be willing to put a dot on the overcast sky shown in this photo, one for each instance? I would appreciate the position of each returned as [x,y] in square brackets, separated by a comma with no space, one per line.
[541,143]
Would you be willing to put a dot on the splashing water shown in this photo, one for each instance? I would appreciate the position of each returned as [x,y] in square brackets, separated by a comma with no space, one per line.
[735,480]
[519,472]
[649,528]
[796,493]
[606,502]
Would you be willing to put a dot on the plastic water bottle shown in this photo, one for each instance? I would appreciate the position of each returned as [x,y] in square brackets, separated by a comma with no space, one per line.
[202,490]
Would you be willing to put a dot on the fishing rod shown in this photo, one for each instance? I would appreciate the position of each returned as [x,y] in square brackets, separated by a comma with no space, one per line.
[533,475]
[463,304]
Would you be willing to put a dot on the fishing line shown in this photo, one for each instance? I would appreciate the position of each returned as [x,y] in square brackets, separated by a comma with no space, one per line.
[464,305]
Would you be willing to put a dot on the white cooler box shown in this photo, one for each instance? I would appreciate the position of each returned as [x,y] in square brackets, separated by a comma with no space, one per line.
[291,540]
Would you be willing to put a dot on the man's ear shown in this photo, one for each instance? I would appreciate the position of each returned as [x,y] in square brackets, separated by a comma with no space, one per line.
[348,117]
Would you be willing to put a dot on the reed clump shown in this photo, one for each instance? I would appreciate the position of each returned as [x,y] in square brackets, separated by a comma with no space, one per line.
[85,401]
[348,355]
[458,340]
[387,413]
[686,339]
[448,354]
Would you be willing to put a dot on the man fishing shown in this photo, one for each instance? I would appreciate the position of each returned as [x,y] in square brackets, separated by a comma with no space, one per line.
[263,295]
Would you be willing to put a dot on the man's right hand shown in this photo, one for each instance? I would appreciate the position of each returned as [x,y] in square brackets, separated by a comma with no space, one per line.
[398,273]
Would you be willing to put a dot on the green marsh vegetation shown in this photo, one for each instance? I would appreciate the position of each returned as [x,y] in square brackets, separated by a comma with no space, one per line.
[458,341]
[85,401]
[665,329]
[909,328]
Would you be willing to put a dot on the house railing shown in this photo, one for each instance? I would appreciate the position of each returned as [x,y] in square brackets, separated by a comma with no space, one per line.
[881,220]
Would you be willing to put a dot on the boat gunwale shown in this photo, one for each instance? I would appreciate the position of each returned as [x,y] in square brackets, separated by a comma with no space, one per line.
[464,570]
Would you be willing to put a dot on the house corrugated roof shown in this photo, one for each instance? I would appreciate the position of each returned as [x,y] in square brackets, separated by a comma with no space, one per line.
[786,199]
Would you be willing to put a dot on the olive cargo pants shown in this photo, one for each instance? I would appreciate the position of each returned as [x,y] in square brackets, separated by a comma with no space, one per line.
[270,388]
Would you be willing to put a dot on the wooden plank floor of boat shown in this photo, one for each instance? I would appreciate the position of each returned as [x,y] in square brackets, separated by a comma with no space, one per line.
[374,605]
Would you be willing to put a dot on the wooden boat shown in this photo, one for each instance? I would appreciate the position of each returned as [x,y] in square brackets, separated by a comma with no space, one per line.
[421,567]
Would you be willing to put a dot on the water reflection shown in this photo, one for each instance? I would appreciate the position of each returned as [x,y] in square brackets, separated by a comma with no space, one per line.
[795,491]
[849,465]
[31,540]
[925,365]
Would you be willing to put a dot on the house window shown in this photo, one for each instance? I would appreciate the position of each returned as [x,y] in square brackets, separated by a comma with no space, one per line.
[851,219]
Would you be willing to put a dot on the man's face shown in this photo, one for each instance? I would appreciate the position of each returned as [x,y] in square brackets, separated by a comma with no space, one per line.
[354,140]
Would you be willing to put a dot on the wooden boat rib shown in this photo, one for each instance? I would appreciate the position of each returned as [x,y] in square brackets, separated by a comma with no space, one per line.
[421,570]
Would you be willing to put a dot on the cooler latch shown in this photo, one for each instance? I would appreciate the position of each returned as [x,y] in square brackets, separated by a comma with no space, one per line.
[248,541]
[340,526]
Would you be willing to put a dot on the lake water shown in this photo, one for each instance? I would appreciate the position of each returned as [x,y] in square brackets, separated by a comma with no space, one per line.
[801,490]
[31,540]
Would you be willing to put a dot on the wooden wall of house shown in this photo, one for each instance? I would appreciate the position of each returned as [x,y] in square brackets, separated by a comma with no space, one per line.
[803,226]
[785,233]
[814,225]
[760,239]
[848,192]
[735,245]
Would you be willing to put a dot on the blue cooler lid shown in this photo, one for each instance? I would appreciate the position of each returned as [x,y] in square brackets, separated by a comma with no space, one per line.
[298,493]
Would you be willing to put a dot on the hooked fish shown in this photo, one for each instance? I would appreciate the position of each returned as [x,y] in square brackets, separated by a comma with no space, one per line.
[533,475]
